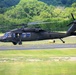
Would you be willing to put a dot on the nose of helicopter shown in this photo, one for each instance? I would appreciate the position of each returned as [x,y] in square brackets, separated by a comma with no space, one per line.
[0,38]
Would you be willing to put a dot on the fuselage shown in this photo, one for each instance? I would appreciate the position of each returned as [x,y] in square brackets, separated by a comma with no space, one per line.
[31,36]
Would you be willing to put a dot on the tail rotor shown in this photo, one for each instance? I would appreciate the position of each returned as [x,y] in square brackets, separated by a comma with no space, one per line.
[73,22]
[72,29]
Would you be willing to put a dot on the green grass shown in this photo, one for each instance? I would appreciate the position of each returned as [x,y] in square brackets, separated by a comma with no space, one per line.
[37,62]
[38,68]
[39,53]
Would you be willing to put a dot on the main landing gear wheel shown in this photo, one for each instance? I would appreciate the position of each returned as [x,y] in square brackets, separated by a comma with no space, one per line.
[20,43]
[53,41]
[15,43]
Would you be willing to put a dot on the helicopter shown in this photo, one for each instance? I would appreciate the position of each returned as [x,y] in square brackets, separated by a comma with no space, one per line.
[18,35]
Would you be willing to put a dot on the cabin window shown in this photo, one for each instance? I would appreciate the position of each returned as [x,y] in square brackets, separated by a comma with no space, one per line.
[26,35]
[23,35]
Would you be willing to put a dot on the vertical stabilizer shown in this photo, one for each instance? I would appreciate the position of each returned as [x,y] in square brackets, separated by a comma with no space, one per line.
[72,29]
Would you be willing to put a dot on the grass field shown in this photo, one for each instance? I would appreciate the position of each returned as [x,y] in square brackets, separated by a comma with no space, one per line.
[38,62]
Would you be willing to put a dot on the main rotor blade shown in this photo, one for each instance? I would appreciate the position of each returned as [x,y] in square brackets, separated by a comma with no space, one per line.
[72,16]
[35,23]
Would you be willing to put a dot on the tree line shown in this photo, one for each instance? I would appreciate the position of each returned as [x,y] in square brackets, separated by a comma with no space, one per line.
[59,2]
[4,4]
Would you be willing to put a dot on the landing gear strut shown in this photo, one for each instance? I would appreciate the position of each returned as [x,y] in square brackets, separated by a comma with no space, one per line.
[20,42]
[19,37]
[62,40]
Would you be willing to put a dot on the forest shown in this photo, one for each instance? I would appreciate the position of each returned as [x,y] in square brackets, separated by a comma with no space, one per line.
[57,12]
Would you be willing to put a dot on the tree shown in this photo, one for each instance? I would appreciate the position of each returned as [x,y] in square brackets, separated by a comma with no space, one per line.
[34,10]
[74,5]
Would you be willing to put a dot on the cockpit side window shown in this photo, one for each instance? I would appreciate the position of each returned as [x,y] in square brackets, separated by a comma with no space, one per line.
[7,34]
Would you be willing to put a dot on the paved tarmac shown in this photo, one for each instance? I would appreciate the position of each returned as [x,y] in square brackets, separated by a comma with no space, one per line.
[33,47]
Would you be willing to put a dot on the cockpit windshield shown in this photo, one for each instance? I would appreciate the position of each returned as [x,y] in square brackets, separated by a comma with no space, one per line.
[7,34]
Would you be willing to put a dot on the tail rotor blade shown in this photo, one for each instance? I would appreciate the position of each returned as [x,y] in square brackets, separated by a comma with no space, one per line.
[72,16]
[70,23]
[73,22]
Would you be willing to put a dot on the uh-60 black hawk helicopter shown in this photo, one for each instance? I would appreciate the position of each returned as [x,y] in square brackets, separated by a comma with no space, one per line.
[17,36]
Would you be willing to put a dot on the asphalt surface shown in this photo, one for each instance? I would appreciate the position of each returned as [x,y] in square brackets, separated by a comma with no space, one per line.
[33,47]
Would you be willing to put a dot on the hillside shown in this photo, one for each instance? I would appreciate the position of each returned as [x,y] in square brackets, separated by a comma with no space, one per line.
[8,3]
[5,4]
[33,10]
